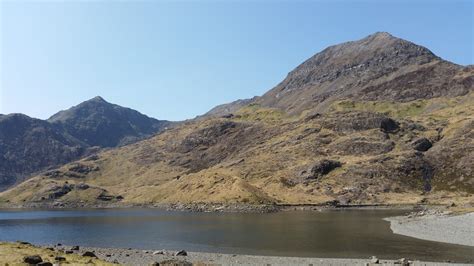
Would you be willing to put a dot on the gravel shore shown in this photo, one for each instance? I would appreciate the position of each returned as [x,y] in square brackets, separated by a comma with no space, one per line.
[169,257]
[441,227]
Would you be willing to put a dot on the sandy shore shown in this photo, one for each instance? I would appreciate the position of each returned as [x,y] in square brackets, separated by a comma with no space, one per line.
[441,227]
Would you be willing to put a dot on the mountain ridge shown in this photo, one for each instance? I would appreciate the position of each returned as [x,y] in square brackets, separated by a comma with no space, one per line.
[358,123]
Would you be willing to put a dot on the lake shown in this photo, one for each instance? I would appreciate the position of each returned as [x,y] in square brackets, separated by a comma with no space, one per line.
[334,233]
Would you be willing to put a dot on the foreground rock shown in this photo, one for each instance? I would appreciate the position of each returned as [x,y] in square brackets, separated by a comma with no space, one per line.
[32,259]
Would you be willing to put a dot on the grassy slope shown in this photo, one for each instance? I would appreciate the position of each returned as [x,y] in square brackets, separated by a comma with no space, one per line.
[257,160]
[13,254]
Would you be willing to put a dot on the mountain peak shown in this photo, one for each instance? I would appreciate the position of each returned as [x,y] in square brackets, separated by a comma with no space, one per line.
[97,99]
[100,123]
[381,34]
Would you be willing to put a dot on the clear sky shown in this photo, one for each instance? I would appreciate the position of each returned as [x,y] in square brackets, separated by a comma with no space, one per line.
[175,60]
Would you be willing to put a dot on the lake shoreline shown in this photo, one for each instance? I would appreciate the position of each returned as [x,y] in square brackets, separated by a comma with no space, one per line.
[226,208]
[130,256]
[436,225]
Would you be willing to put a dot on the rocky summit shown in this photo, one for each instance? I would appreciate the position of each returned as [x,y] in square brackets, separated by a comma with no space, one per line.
[375,121]
[99,123]
[28,145]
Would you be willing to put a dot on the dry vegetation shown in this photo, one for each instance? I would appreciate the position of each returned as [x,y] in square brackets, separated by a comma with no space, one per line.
[261,155]
[13,254]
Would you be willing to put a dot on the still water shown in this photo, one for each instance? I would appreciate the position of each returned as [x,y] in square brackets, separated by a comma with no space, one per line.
[348,233]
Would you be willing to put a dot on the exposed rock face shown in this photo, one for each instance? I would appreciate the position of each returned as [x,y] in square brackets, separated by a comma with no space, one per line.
[99,123]
[379,67]
[58,191]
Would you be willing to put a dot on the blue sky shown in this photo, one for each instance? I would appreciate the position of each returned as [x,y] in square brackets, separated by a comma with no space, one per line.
[176,60]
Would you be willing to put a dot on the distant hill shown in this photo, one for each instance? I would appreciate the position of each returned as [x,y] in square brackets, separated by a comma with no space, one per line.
[28,145]
[375,121]
[99,123]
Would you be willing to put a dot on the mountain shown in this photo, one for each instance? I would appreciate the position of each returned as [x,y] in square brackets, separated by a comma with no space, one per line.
[376,121]
[99,123]
[28,145]
[379,67]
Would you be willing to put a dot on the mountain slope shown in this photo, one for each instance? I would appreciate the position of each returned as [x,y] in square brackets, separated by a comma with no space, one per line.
[396,138]
[28,145]
[99,123]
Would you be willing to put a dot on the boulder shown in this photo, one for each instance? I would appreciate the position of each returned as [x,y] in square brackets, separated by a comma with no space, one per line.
[422,144]
[82,186]
[403,262]
[389,125]
[181,253]
[319,169]
[89,254]
[34,259]
[105,197]
[159,252]
[75,248]
[59,258]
